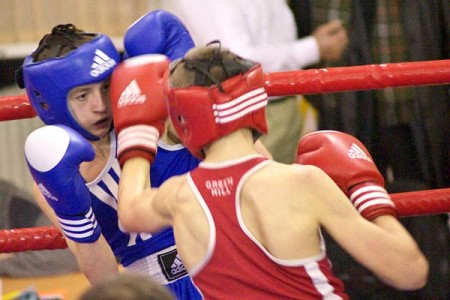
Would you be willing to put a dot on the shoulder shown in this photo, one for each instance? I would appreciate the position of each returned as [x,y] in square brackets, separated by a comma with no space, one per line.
[283,178]
[314,181]
[291,183]
[172,187]
[309,174]
[172,192]
[291,174]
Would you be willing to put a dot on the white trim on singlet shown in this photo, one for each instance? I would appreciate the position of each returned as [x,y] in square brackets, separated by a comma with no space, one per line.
[228,163]
[212,229]
[320,281]
[168,147]
[244,228]
[110,182]
[310,264]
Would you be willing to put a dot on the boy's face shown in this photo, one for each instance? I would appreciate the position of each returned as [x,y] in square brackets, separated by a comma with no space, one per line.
[90,105]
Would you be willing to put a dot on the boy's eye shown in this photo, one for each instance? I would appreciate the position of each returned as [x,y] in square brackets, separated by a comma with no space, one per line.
[81,96]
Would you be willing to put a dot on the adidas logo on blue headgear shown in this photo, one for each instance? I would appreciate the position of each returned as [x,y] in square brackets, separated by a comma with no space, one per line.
[101,63]
[49,81]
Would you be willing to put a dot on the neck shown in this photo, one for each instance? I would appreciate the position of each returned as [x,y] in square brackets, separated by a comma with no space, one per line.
[170,138]
[232,146]
[91,169]
[102,146]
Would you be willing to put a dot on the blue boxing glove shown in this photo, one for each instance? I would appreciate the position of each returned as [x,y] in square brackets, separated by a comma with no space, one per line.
[54,154]
[158,32]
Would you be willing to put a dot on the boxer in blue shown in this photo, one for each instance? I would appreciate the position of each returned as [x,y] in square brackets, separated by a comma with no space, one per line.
[67,81]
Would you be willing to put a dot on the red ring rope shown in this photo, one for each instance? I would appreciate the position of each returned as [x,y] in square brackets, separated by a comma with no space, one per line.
[367,77]
[313,81]
[36,238]
[15,107]
[427,202]
[277,84]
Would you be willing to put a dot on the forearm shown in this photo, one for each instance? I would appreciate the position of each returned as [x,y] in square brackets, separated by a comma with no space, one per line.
[385,248]
[134,179]
[96,260]
[382,245]
[137,209]
[403,253]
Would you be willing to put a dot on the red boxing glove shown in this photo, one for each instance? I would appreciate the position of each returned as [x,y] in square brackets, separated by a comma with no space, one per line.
[138,105]
[346,160]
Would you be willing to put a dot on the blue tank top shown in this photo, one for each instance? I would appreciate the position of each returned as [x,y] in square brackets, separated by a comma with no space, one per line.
[151,255]
[170,161]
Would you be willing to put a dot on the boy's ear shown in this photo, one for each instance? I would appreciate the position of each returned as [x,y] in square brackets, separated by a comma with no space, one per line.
[18,74]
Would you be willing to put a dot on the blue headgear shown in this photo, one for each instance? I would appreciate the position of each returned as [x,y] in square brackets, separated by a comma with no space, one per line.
[48,82]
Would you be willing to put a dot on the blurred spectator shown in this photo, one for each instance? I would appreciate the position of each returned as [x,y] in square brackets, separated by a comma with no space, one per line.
[406,129]
[265,31]
[388,32]
[18,210]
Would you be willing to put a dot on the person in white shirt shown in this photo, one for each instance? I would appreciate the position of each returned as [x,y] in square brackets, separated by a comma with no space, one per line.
[264,31]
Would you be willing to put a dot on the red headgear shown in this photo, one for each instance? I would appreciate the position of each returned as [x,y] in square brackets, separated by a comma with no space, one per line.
[201,114]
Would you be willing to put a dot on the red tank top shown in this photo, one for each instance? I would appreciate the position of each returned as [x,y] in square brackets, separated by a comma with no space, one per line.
[237,266]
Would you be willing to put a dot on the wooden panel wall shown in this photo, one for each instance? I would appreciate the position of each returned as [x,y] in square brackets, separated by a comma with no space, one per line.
[24,22]
[29,20]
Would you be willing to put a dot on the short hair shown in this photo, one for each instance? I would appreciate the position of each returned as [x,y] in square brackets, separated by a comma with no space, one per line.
[206,66]
[127,286]
[63,39]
